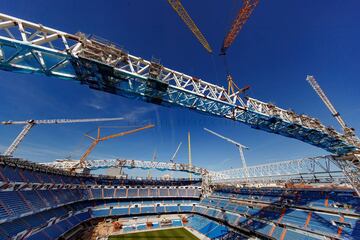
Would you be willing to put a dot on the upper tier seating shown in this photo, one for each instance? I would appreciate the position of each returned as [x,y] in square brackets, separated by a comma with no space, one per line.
[304,210]
[43,174]
[337,199]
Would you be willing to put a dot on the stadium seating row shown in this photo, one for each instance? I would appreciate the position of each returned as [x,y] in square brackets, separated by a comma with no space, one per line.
[309,220]
[23,175]
[336,199]
[16,203]
[57,221]
[207,227]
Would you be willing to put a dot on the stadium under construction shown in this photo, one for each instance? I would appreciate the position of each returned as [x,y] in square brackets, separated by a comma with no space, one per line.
[307,198]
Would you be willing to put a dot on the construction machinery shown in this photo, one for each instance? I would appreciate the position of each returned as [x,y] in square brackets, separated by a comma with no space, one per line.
[189,151]
[350,163]
[175,153]
[241,151]
[154,159]
[36,48]
[233,88]
[347,130]
[107,68]
[180,10]
[240,20]
[82,162]
[31,123]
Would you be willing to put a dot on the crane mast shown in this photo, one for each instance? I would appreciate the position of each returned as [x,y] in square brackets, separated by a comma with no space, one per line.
[180,10]
[176,152]
[240,20]
[11,149]
[189,152]
[329,105]
[240,148]
[31,123]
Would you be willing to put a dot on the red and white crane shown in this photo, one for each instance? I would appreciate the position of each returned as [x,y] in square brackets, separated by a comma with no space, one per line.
[238,23]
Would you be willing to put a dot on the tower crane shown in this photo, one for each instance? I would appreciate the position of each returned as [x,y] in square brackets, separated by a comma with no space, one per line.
[174,156]
[350,163]
[189,153]
[154,159]
[239,146]
[240,20]
[82,162]
[347,130]
[176,152]
[31,123]
[233,88]
[180,10]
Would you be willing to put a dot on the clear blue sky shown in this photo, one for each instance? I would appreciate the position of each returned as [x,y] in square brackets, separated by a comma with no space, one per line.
[281,43]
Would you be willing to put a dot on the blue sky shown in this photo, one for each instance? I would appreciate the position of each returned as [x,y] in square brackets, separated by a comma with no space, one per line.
[281,43]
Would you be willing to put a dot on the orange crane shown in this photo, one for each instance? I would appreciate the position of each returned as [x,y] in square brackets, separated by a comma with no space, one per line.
[98,139]
[233,88]
[241,18]
[28,125]
[179,8]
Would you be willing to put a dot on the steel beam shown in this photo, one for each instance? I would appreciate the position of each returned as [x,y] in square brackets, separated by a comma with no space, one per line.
[126,163]
[103,66]
[316,166]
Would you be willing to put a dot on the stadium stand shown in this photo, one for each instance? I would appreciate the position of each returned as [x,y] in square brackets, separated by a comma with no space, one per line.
[297,210]
[37,202]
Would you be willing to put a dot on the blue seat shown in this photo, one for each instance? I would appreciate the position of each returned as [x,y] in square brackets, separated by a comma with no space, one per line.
[108,193]
[132,192]
[119,211]
[172,208]
[13,202]
[135,210]
[120,192]
[101,212]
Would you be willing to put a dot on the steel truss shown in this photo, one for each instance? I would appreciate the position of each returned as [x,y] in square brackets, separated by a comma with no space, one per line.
[125,163]
[329,168]
[33,48]
[350,165]
[307,168]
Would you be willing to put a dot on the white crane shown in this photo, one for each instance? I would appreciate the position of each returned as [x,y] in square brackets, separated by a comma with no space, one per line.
[328,104]
[174,156]
[30,123]
[239,146]
[176,152]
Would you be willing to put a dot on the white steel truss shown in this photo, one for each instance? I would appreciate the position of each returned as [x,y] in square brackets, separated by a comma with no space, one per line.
[33,48]
[321,166]
[125,163]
